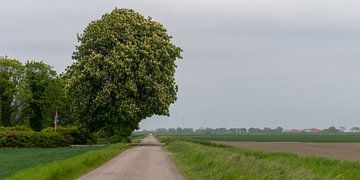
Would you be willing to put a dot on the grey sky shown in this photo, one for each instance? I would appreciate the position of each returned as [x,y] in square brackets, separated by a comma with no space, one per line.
[247,63]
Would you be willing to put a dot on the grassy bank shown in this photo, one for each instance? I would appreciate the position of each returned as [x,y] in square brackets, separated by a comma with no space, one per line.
[72,167]
[137,138]
[203,160]
[16,159]
[284,137]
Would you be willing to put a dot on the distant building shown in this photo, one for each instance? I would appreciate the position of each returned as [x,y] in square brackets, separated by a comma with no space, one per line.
[312,130]
[295,131]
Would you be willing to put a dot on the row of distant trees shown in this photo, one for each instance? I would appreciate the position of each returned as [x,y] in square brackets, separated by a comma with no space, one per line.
[251,130]
[30,93]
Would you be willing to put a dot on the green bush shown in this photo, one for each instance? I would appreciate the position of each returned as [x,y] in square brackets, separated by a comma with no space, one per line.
[15,128]
[119,139]
[74,134]
[32,139]
[22,136]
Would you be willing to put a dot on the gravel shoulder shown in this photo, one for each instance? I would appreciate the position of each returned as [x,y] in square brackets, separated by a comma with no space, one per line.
[340,151]
[145,161]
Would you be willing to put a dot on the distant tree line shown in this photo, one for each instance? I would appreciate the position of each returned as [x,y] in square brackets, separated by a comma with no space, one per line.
[212,131]
[250,130]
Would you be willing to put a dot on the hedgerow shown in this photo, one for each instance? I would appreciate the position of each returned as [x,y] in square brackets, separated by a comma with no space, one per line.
[75,134]
[32,139]
[21,136]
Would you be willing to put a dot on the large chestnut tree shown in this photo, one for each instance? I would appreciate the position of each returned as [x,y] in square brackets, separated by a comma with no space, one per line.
[123,72]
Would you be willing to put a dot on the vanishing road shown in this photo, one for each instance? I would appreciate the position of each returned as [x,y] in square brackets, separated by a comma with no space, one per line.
[148,161]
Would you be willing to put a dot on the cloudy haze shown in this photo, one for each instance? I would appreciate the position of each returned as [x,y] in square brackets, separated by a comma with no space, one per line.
[246,63]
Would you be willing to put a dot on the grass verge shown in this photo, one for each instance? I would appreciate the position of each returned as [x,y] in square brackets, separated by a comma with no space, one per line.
[70,168]
[204,160]
[137,138]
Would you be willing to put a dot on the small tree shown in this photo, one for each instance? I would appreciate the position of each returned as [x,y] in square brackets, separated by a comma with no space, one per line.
[57,101]
[342,129]
[36,87]
[253,130]
[267,130]
[355,129]
[123,72]
[331,129]
[243,130]
[279,129]
[10,74]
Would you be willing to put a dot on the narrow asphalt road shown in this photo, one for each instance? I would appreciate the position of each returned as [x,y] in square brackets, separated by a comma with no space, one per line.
[148,161]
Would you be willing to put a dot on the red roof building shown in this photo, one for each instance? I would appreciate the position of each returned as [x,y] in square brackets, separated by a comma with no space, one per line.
[295,131]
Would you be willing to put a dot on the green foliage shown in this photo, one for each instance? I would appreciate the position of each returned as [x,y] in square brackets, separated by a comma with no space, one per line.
[10,74]
[13,160]
[205,160]
[22,136]
[137,138]
[57,101]
[15,128]
[119,138]
[26,138]
[40,86]
[123,72]
[355,129]
[30,94]
[74,134]
[73,167]
[331,129]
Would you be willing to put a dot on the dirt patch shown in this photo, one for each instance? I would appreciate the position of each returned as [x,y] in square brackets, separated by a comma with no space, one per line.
[341,151]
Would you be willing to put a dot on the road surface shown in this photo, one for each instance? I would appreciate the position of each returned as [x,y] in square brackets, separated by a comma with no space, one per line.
[147,161]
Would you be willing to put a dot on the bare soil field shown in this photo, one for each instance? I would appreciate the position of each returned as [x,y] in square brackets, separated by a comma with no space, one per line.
[340,151]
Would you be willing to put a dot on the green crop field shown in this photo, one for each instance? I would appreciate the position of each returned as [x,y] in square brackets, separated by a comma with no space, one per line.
[204,160]
[72,167]
[16,159]
[284,137]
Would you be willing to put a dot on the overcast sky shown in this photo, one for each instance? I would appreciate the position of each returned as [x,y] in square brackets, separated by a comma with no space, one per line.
[247,63]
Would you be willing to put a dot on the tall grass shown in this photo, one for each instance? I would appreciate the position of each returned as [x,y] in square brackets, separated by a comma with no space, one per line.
[204,160]
[70,168]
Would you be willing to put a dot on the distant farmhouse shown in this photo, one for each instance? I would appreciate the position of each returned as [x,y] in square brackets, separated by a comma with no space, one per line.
[312,130]
[295,131]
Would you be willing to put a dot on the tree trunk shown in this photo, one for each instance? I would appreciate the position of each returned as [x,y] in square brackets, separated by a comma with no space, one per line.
[36,118]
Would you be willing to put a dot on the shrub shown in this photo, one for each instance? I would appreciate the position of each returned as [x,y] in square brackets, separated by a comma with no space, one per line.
[32,139]
[74,134]
[22,136]
[119,139]
[15,128]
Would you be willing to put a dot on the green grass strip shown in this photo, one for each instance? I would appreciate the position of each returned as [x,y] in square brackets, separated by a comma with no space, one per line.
[204,160]
[70,168]
[13,160]
[284,137]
